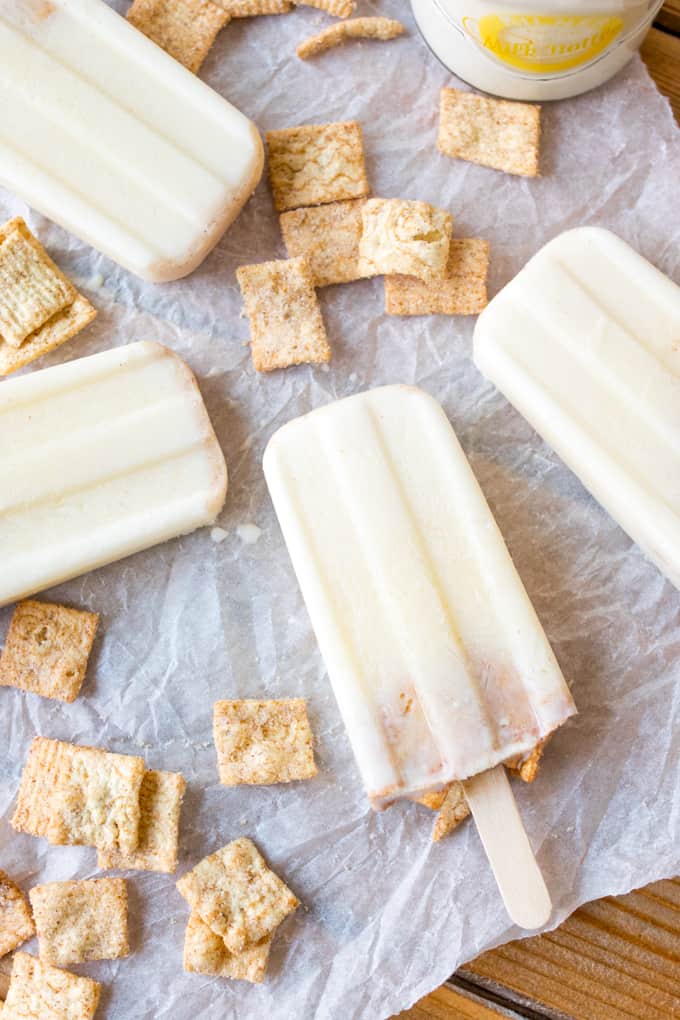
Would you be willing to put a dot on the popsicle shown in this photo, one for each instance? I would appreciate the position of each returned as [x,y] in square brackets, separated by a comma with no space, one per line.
[585,343]
[99,458]
[439,665]
[113,139]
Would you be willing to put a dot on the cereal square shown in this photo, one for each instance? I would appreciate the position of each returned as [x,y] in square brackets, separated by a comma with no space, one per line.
[286,327]
[263,741]
[316,163]
[32,288]
[38,991]
[34,292]
[400,236]
[461,292]
[46,766]
[328,236]
[160,800]
[80,795]
[237,895]
[253,8]
[186,29]
[97,803]
[82,920]
[47,649]
[206,953]
[338,8]
[16,923]
[496,133]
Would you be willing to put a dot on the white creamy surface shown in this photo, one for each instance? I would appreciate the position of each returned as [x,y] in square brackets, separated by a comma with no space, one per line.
[438,662]
[100,458]
[585,342]
[387,914]
[110,137]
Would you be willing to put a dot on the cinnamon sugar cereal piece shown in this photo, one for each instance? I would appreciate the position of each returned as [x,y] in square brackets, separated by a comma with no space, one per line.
[526,766]
[263,741]
[356,28]
[47,763]
[338,8]
[82,920]
[80,795]
[253,8]
[16,923]
[206,953]
[39,306]
[286,327]
[186,29]
[328,235]
[400,236]
[434,800]
[32,288]
[461,292]
[47,648]
[160,800]
[237,895]
[496,133]
[38,991]
[452,812]
[316,163]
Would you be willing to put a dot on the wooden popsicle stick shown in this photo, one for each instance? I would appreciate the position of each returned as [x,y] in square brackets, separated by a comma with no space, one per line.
[507,846]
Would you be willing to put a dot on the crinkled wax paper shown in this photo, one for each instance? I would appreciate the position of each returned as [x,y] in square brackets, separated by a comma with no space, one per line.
[387,915]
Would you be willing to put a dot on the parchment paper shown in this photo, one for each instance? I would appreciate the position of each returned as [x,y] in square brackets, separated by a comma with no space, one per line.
[387,915]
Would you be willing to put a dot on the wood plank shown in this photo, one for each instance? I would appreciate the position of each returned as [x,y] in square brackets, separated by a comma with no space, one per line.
[661,53]
[450,1004]
[613,959]
[669,16]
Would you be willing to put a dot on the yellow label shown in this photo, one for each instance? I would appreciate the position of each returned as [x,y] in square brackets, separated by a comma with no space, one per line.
[544,43]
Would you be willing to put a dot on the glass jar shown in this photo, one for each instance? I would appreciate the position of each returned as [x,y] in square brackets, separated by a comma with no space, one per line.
[536,49]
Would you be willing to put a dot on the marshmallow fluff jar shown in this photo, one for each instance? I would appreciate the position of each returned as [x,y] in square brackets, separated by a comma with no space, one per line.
[535,49]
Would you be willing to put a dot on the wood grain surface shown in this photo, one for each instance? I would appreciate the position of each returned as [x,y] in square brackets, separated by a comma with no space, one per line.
[616,958]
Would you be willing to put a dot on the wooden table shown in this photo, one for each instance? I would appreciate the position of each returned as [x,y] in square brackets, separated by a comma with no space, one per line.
[614,959]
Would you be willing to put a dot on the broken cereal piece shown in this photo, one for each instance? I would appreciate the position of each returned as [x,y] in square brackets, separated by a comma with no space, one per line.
[316,163]
[263,741]
[452,812]
[497,133]
[32,288]
[39,306]
[81,920]
[461,292]
[400,236]
[160,800]
[16,923]
[434,800]
[206,953]
[328,235]
[338,8]
[186,29]
[286,327]
[237,895]
[356,28]
[526,766]
[47,648]
[38,991]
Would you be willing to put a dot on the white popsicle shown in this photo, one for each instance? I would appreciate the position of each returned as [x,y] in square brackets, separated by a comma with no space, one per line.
[113,139]
[585,342]
[438,662]
[99,458]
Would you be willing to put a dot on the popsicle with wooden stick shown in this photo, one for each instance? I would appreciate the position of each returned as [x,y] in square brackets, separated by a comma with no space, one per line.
[440,667]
